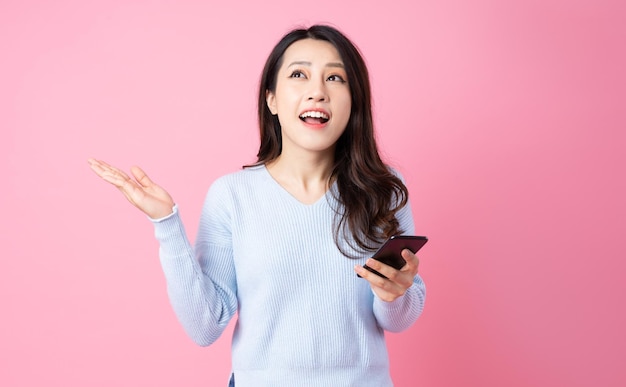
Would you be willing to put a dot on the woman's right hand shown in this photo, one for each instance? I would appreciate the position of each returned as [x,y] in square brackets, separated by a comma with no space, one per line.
[142,192]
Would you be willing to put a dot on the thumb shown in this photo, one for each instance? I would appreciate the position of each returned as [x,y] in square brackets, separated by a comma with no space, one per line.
[141,176]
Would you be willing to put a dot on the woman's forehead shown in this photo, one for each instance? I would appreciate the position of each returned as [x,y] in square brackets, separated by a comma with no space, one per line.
[311,51]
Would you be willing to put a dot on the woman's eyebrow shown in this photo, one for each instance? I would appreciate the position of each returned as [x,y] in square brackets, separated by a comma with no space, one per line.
[307,63]
[335,64]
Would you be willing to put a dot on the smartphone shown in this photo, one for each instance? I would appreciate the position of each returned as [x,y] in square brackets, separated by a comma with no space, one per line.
[390,252]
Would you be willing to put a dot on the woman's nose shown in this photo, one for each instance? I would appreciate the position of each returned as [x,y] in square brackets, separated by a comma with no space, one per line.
[318,92]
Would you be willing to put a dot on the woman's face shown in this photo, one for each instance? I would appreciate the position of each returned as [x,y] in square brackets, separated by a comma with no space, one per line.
[312,97]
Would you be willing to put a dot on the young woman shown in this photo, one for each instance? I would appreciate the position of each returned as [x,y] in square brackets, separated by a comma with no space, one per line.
[281,242]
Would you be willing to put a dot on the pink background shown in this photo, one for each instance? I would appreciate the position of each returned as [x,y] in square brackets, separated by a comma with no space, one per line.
[507,118]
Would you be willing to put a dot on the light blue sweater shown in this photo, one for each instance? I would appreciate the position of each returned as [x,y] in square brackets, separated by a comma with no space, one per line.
[304,317]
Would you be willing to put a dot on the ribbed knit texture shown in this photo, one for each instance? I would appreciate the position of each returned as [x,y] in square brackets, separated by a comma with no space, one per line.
[304,317]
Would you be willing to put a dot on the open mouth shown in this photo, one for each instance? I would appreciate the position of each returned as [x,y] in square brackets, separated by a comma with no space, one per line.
[314,117]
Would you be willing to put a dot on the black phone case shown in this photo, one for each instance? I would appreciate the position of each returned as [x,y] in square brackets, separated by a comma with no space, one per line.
[390,252]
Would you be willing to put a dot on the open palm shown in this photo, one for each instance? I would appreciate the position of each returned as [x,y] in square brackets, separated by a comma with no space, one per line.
[142,192]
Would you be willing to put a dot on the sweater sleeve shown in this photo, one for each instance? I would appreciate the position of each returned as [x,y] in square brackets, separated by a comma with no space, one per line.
[200,281]
[401,313]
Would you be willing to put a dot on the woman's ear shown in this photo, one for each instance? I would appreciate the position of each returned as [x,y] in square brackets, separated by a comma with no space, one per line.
[271,101]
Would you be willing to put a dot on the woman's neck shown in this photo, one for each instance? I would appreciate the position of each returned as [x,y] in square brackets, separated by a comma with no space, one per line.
[307,179]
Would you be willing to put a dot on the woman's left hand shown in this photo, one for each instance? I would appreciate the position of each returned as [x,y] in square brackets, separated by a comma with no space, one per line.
[397,281]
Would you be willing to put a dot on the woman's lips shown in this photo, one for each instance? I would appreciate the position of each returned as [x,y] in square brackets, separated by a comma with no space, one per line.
[315,117]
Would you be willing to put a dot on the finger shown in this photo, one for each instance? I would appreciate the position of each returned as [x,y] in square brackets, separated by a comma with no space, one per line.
[403,278]
[396,281]
[412,262]
[116,177]
[141,177]
[96,166]
[120,178]
[106,174]
[382,268]
[99,164]
[105,170]
[116,171]
[385,289]
[374,279]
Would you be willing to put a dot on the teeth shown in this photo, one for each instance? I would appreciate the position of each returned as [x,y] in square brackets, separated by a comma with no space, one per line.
[314,115]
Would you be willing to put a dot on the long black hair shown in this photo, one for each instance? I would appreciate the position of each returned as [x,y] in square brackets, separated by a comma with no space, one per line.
[370,194]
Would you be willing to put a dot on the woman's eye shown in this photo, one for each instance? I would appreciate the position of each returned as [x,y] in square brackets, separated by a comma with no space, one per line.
[297,74]
[336,78]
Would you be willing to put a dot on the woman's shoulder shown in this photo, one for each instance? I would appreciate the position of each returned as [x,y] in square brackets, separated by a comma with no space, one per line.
[394,171]
[235,186]
[246,175]
[237,180]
